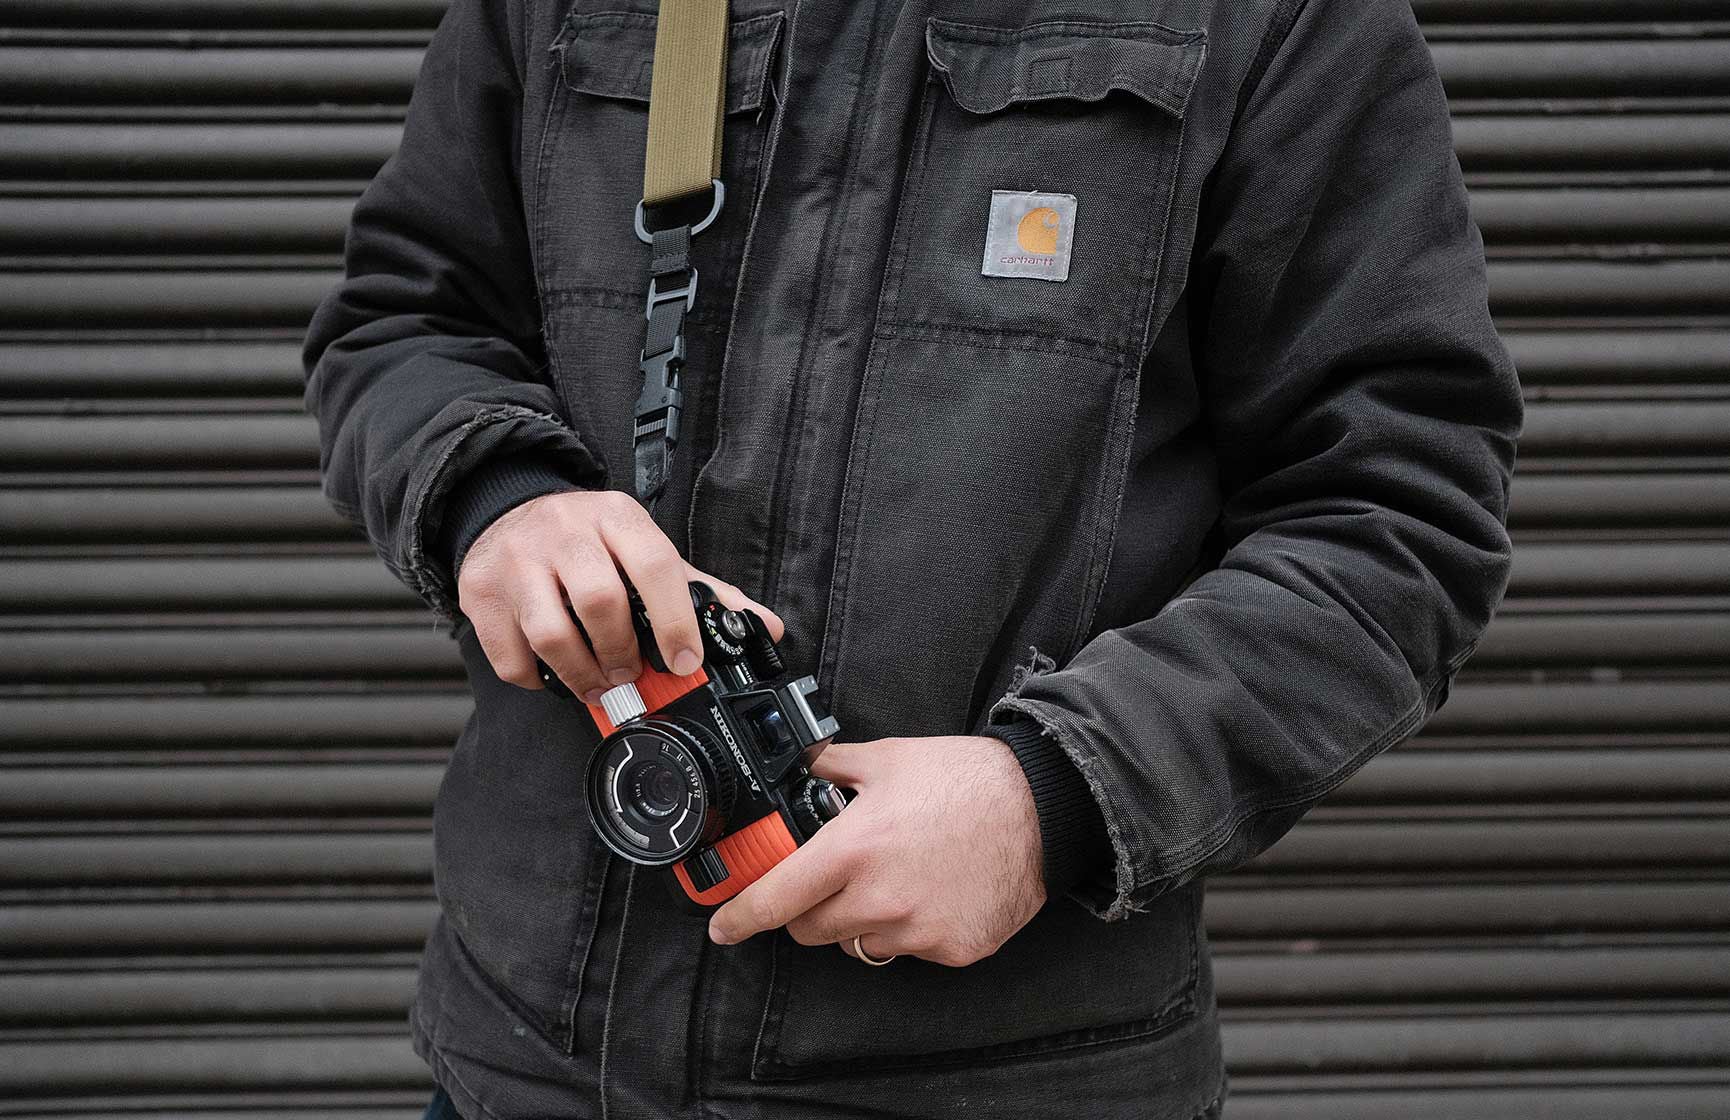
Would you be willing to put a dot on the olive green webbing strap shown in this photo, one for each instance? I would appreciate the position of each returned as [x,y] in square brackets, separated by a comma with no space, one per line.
[686,98]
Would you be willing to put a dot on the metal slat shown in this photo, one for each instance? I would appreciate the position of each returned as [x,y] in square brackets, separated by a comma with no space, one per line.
[1630,141]
[1621,567]
[156,721]
[1667,67]
[199,583]
[1432,776]
[1245,908]
[1585,843]
[1601,214]
[205,994]
[1657,638]
[1424,1102]
[169,514]
[1520,11]
[226,13]
[308,925]
[327,857]
[1694,705]
[60,75]
[1496,974]
[1586,288]
[217,1107]
[1630,1039]
[150,366]
[1581,499]
[1627,357]
[280,1062]
[283,442]
[252,297]
[301,789]
[74,150]
[361,652]
[115,226]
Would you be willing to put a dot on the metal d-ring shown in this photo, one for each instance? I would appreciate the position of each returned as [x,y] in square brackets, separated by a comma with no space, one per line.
[647,238]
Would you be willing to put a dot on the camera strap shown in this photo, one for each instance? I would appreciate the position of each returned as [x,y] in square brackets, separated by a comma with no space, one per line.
[687,100]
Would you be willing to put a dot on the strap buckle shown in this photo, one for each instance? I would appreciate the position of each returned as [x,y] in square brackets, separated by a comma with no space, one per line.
[659,403]
[688,290]
[648,238]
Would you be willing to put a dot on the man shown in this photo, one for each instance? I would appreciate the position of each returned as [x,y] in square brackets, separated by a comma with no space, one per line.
[1102,402]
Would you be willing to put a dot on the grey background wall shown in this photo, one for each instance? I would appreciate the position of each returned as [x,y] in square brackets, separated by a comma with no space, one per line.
[222,723]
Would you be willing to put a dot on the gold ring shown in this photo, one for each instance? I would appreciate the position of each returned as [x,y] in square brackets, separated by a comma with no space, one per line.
[859,951]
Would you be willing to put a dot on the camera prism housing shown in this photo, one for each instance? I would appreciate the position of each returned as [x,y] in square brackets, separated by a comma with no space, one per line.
[709,773]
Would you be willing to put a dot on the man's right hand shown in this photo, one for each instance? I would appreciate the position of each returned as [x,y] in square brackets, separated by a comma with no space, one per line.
[570,553]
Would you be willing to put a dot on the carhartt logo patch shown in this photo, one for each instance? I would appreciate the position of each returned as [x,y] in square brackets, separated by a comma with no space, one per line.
[1029,235]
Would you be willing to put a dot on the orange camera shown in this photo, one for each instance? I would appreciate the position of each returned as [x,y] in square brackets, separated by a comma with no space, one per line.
[709,773]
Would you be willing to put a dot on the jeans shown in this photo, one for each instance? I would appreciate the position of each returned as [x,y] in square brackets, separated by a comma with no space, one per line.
[440,1107]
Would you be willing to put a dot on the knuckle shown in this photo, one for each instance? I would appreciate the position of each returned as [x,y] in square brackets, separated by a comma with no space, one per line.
[663,566]
[807,933]
[546,634]
[594,600]
[618,507]
[896,908]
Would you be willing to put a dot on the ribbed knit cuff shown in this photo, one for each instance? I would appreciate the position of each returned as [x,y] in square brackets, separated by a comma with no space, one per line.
[1071,827]
[490,491]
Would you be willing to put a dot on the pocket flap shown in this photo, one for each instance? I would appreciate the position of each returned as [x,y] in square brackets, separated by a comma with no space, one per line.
[989,68]
[612,54]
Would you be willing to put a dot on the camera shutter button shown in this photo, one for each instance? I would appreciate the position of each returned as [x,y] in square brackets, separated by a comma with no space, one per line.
[623,702]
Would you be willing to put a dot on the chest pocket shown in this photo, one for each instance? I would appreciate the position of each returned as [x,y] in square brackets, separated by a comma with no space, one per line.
[590,266]
[996,413]
[1092,110]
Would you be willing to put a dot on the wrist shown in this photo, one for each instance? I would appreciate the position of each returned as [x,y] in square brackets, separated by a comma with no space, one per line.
[487,493]
[1072,834]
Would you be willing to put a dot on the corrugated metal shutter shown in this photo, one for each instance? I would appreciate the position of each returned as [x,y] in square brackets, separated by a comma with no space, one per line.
[221,722]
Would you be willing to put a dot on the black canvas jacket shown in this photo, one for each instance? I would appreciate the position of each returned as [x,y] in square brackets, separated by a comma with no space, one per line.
[1220,514]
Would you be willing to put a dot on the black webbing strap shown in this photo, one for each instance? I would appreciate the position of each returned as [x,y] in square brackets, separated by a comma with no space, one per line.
[672,291]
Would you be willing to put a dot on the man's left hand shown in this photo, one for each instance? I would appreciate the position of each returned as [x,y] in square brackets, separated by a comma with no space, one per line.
[938,855]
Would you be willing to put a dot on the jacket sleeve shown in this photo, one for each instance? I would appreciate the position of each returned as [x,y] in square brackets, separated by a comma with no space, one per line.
[427,359]
[1364,417]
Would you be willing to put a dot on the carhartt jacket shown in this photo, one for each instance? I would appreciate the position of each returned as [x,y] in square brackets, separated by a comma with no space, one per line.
[1120,369]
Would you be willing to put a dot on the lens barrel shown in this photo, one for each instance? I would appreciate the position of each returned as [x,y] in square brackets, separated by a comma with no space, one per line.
[657,791]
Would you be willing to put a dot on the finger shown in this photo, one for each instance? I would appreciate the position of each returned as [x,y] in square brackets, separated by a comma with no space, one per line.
[850,764]
[657,571]
[876,945]
[737,600]
[597,597]
[506,649]
[806,877]
[552,633]
[837,919]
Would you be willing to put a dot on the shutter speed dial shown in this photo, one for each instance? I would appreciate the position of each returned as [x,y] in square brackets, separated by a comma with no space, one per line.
[818,802]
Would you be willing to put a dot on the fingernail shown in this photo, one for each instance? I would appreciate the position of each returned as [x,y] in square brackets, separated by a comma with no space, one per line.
[593,695]
[621,676]
[686,662]
[717,936]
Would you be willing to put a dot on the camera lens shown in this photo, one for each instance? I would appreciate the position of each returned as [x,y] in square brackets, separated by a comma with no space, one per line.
[656,788]
[655,791]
